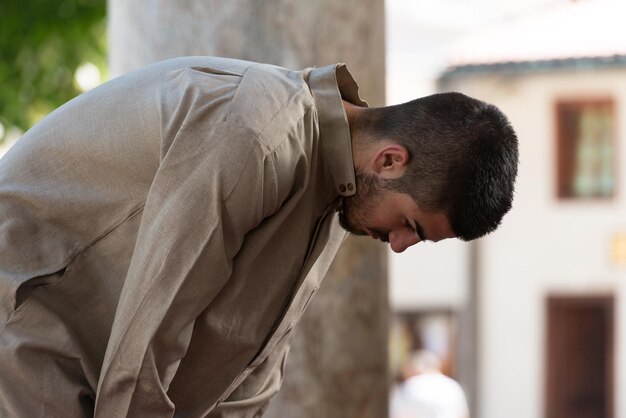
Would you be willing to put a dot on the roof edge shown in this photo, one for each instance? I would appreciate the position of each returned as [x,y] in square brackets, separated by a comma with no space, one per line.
[521,67]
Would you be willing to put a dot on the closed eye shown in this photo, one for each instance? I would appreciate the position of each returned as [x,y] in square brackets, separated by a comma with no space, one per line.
[412,225]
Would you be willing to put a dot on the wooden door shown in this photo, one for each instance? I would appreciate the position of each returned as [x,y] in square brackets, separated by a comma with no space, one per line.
[579,362]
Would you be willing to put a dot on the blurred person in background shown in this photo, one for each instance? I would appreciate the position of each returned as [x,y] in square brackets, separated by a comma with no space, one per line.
[426,392]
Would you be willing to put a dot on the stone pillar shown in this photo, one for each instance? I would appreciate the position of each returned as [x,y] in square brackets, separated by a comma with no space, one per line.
[468,357]
[338,362]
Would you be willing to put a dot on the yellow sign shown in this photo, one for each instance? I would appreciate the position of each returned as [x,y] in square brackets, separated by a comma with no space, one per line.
[618,248]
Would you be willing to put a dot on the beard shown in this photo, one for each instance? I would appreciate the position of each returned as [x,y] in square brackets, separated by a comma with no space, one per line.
[354,209]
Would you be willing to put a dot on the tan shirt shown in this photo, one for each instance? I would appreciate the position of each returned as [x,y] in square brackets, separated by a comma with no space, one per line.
[167,230]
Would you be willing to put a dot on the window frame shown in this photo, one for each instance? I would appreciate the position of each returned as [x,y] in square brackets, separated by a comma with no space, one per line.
[563,158]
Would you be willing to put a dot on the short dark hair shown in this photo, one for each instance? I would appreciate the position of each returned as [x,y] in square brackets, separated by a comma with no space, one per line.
[463,158]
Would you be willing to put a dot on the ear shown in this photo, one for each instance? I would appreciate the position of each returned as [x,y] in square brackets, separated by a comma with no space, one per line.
[390,161]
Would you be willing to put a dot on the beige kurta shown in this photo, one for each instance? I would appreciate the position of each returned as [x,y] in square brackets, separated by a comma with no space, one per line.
[161,236]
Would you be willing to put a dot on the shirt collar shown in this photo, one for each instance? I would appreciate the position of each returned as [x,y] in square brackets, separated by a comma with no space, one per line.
[329,86]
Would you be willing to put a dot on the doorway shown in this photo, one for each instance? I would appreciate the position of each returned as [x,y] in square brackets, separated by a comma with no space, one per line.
[579,366]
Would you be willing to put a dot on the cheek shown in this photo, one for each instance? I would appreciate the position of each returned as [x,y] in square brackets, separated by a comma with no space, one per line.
[379,219]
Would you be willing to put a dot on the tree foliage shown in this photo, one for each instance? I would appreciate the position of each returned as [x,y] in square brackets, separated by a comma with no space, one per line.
[42,43]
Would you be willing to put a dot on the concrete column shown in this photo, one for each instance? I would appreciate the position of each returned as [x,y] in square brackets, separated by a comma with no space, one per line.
[468,358]
[338,362]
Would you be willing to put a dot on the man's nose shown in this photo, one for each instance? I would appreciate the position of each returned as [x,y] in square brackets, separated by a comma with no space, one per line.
[401,240]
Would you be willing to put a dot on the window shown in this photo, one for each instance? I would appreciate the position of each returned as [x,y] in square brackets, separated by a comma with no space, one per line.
[586,148]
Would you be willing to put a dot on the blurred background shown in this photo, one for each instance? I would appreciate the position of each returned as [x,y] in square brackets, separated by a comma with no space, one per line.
[536,306]
[50,51]
[529,319]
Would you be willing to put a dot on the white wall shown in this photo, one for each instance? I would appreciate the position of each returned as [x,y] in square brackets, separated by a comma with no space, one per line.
[544,245]
[428,276]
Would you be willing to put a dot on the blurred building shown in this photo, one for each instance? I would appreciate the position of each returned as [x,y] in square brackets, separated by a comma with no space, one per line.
[550,325]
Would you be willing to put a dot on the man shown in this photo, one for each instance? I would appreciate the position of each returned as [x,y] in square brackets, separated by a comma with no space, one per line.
[162,234]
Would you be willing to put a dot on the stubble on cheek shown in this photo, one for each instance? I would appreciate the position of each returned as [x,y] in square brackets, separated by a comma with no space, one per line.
[353,214]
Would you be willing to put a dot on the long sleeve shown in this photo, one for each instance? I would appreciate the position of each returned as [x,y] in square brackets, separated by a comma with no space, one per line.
[206,196]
